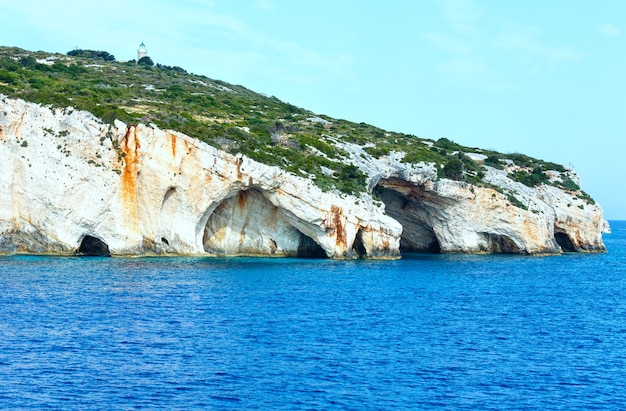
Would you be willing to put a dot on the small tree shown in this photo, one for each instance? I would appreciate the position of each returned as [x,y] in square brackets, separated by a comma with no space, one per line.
[92,54]
[145,61]
[453,169]
[447,144]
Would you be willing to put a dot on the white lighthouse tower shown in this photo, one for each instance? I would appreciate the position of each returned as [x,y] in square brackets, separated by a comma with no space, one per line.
[141,51]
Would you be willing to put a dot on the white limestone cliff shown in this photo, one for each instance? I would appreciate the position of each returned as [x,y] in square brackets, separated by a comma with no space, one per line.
[70,183]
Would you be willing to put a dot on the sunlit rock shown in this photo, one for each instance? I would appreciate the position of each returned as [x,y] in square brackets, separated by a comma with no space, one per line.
[141,190]
[67,177]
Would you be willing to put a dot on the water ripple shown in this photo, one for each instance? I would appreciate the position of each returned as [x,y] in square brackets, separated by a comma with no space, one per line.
[426,332]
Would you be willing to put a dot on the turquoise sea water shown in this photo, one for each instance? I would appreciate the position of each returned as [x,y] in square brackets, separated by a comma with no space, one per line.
[424,332]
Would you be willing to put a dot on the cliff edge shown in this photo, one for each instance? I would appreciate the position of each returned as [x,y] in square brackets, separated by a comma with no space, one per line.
[73,184]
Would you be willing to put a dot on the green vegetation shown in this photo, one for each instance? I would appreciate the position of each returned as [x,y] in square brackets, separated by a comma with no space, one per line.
[145,61]
[453,169]
[516,202]
[531,179]
[493,161]
[92,54]
[568,184]
[238,120]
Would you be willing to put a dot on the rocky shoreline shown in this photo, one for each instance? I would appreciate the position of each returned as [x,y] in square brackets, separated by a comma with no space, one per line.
[139,190]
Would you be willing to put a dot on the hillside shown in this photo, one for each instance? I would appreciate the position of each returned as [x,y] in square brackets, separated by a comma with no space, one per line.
[179,163]
[238,120]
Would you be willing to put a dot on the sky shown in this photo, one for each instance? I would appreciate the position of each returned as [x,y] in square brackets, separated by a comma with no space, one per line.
[546,78]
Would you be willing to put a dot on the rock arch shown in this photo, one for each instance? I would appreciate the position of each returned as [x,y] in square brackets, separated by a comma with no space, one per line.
[405,203]
[308,248]
[247,223]
[93,246]
[500,244]
[565,242]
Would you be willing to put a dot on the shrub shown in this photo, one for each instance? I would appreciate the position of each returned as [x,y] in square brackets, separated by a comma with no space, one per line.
[109,114]
[175,91]
[145,61]
[568,184]
[92,54]
[516,202]
[453,169]
[315,141]
[9,64]
[553,166]
[530,179]
[8,77]
[350,179]
[169,68]
[493,161]
[447,144]
[588,199]
[28,62]
[376,151]
[522,160]
[416,152]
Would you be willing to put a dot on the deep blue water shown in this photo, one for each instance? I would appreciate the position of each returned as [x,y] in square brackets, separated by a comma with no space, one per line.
[424,332]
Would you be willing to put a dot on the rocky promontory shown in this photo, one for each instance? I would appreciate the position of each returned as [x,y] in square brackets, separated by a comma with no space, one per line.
[71,183]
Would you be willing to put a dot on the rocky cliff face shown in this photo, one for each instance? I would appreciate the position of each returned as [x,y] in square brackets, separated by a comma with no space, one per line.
[70,184]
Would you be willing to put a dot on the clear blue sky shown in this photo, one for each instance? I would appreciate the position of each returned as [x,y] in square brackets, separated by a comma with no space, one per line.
[545,78]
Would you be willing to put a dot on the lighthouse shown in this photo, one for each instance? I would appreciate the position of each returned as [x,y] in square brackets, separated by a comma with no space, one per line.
[141,51]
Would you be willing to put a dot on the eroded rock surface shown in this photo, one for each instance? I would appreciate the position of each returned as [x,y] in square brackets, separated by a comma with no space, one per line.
[141,190]
[136,189]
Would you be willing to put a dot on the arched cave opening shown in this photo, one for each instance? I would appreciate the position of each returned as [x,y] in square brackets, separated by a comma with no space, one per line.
[564,242]
[358,247]
[501,244]
[431,248]
[402,203]
[307,248]
[93,247]
[249,224]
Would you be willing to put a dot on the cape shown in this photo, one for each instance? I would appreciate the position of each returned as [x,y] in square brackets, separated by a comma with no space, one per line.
[73,184]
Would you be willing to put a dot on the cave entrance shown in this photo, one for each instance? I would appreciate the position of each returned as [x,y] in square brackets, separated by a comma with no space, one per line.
[564,242]
[93,247]
[308,248]
[501,244]
[249,224]
[402,203]
[358,247]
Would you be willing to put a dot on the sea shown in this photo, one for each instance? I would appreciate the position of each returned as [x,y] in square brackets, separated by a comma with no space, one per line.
[427,332]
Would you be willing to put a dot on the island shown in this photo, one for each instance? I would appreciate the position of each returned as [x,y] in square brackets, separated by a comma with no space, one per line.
[117,158]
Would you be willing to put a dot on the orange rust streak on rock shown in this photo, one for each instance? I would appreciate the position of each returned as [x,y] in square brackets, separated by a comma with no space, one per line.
[337,225]
[173,141]
[242,199]
[130,145]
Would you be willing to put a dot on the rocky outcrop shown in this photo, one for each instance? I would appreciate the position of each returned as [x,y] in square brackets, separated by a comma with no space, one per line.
[452,216]
[141,190]
[71,184]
